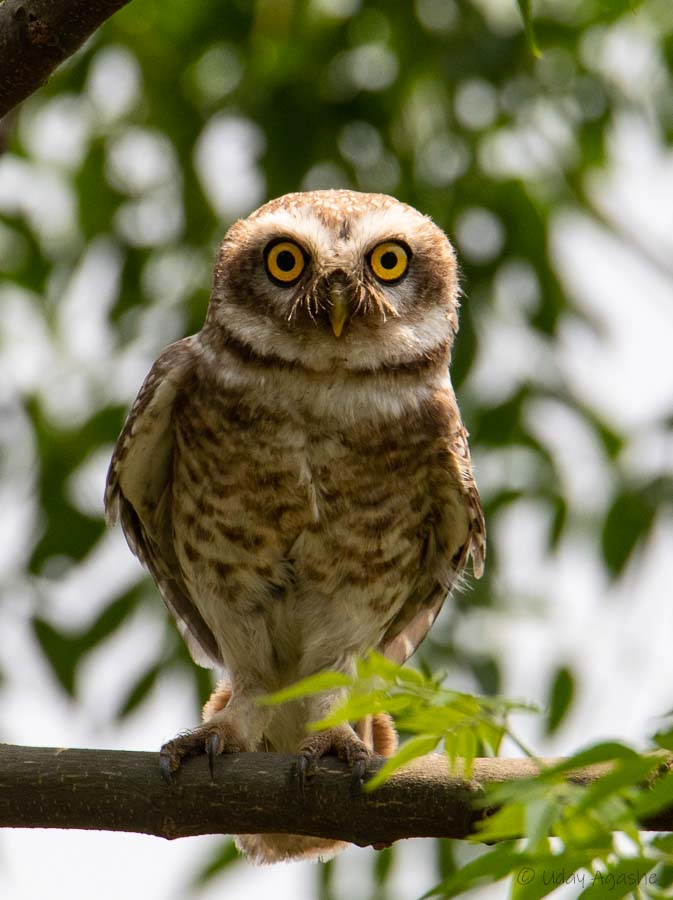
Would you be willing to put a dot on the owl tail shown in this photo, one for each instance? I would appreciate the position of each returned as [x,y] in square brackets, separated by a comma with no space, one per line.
[377,732]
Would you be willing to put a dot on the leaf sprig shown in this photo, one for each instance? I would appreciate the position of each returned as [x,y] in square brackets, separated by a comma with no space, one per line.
[550,830]
[429,713]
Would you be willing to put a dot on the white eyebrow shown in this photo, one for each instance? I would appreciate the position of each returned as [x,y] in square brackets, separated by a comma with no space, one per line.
[379,224]
[306,228]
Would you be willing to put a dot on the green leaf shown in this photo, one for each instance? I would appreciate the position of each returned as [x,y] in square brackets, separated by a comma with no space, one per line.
[66,650]
[540,874]
[446,862]
[314,684]
[655,799]
[376,665]
[540,815]
[611,9]
[113,617]
[61,650]
[628,521]
[619,879]
[664,842]
[525,9]
[224,857]
[466,748]
[139,692]
[664,739]
[561,695]
[627,773]
[486,868]
[505,824]
[358,706]
[411,749]
[490,736]
[606,751]
[558,522]
[591,830]
[664,879]
[487,672]
[66,532]
[325,880]
[530,882]
[383,865]
[501,424]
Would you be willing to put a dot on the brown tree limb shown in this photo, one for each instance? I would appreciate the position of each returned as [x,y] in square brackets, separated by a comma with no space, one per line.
[36,36]
[114,790]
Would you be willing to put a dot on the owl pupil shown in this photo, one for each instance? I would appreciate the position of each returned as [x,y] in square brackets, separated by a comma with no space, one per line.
[285,261]
[389,260]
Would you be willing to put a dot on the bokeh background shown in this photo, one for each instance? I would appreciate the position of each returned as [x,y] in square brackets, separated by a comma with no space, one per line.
[554,178]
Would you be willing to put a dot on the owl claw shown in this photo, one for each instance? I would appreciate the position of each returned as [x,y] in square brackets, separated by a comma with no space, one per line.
[173,752]
[212,749]
[342,742]
[210,740]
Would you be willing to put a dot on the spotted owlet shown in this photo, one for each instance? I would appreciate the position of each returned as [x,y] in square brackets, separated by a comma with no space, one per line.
[296,476]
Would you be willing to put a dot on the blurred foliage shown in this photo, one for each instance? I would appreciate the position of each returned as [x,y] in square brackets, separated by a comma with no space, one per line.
[119,178]
[548,830]
[583,836]
[560,698]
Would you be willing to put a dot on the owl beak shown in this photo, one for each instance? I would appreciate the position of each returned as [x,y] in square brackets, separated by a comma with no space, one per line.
[339,309]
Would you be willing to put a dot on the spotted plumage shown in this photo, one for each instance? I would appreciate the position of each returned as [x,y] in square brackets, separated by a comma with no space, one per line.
[296,477]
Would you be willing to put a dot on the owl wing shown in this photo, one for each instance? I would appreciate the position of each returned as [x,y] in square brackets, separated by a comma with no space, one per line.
[457,508]
[138,491]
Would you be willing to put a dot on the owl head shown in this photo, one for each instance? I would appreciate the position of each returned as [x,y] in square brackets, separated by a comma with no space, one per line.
[336,279]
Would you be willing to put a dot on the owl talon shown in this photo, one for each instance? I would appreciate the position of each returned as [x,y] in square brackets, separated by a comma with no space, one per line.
[210,740]
[343,742]
[212,749]
[173,752]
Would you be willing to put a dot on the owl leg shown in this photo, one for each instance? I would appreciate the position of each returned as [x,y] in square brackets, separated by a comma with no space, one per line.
[219,698]
[378,733]
[232,724]
[374,735]
[385,739]
[211,738]
[340,740]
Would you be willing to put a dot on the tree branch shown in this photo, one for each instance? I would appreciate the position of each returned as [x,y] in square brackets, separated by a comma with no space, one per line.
[36,36]
[112,790]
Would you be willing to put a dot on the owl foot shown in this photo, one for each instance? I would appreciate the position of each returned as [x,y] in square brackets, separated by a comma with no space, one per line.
[210,739]
[341,741]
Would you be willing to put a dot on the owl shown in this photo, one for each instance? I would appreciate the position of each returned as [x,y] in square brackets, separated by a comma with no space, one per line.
[296,476]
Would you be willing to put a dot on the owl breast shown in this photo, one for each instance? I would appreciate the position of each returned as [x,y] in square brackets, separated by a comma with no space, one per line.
[299,539]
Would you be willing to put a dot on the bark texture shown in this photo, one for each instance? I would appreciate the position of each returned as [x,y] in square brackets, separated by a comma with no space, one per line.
[258,793]
[36,36]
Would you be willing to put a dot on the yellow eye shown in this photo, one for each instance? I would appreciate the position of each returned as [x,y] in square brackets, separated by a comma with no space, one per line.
[389,261]
[285,262]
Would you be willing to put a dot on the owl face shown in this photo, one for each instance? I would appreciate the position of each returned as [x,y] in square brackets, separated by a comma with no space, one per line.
[336,279]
